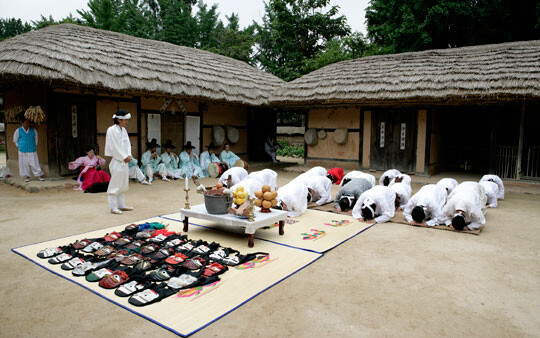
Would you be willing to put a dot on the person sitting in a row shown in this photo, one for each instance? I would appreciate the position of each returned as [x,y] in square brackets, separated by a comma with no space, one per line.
[228,156]
[208,157]
[151,162]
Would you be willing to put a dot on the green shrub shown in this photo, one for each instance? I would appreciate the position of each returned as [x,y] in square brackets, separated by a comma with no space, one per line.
[290,150]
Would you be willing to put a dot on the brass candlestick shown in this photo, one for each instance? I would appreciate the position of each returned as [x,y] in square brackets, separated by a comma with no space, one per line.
[251,212]
[187,199]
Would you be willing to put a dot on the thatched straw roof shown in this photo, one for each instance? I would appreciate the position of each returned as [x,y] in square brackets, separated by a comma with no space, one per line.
[107,60]
[480,74]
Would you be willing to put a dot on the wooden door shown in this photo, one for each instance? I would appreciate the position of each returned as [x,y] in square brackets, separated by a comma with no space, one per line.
[75,120]
[393,140]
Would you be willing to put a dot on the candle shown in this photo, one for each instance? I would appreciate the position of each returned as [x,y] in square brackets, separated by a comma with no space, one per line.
[187,183]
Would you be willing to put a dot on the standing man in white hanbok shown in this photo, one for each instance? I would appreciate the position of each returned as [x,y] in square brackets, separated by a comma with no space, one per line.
[292,198]
[207,157]
[237,174]
[117,146]
[466,206]
[426,206]
[266,177]
[26,140]
[377,203]
[497,180]
[388,176]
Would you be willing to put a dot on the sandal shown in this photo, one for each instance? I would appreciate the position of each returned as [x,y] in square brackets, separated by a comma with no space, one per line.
[105,251]
[162,274]
[78,245]
[85,268]
[214,269]
[130,288]
[194,263]
[61,258]
[239,259]
[163,253]
[131,259]
[113,236]
[177,258]
[150,296]
[49,252]
[92,247]
[97,275]
[73,263]
[131,229]
[113,280]
[148,249]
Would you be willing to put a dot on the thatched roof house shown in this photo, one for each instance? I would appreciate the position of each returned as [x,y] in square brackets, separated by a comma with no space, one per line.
[469,74]
[79,55]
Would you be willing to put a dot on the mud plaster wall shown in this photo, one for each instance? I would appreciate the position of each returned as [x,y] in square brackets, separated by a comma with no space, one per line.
[226,115]
[105,109]
[332,118]
[28,96]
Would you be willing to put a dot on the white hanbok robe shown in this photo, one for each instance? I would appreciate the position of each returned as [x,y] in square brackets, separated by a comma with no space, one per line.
[391,174]
[117,146]
[322,187]
[250,186]
[404,179]
[403,190]
[266,177]
[135,172]
[205,159]
[172,164]
[384,199]
[471,198]
[358,174]
[237,174]
[497,180]
[432,197]
[447,184]
[294,195]
[316,171]
[491,189]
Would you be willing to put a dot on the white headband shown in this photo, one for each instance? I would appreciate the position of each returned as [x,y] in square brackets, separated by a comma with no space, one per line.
[367,204]
[351,199]
[125,117]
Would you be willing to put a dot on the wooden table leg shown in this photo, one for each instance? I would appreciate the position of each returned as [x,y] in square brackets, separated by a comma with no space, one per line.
[281,227]
[185,223]
[250,240]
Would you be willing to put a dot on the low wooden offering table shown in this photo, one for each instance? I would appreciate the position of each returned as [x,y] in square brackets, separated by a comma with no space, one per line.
[261,220]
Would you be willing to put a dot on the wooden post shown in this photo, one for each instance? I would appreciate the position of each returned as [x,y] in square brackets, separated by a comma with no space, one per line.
[520,144]
[421,137]
[366,138]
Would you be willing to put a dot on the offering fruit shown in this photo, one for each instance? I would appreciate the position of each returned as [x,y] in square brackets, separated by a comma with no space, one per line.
[218,190]
[265,198]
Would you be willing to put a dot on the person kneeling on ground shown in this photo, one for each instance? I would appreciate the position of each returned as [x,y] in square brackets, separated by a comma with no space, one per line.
[378,203]
[388,176]
[491,189]
[319,190]
[266,177]
[497,180]
[466,206]
[350,193]
[236,174]
[335,175]
[403,193]
[358,174]
[447,184]
[292,198]
[426,206]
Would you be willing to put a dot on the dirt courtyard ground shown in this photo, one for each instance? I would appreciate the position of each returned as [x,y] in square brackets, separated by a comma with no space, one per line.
[392,280]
